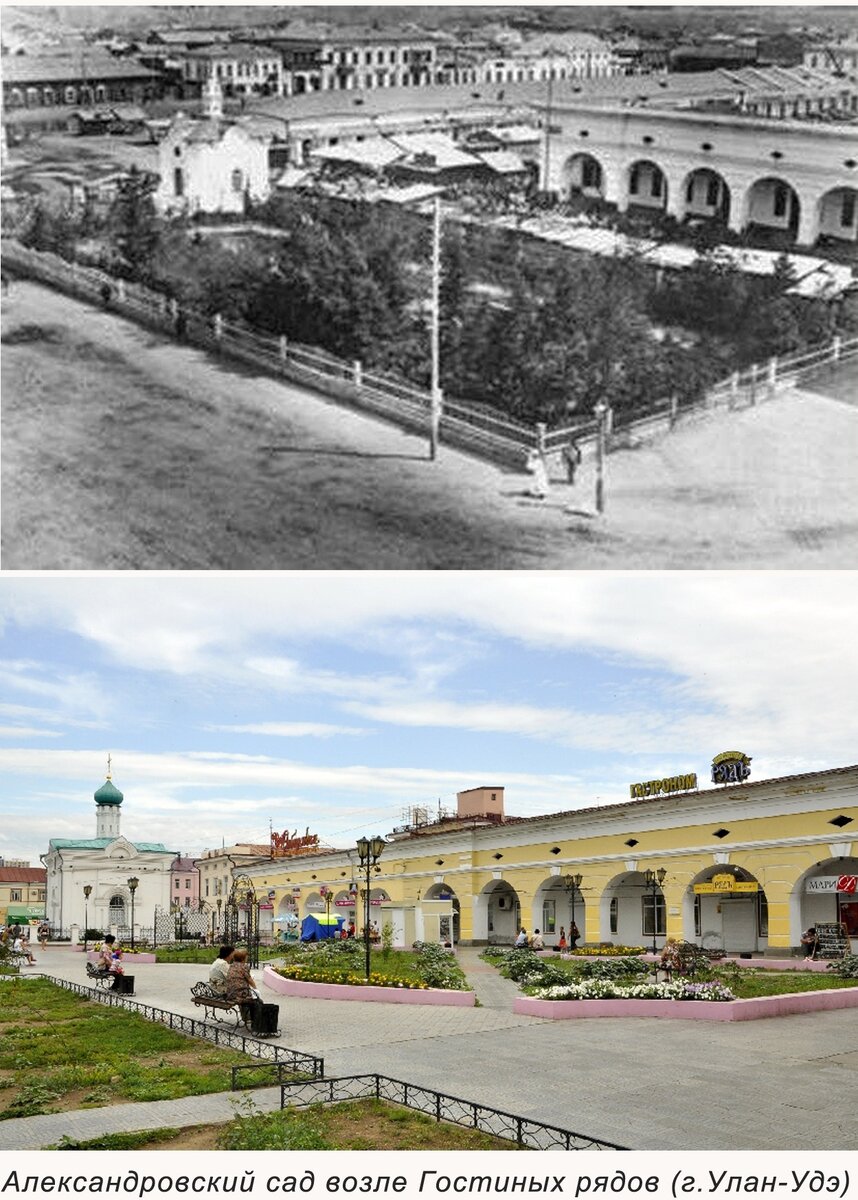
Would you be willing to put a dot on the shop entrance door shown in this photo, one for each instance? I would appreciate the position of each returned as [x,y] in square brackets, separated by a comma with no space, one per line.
[739,923]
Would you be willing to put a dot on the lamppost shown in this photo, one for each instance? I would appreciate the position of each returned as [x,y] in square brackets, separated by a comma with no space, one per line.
[369,852]
[573,885]
[87,892]
[327,895]
[132,887]
[219,907]
[653,880]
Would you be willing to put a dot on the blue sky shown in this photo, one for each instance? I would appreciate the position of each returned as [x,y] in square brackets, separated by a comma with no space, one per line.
[338,700]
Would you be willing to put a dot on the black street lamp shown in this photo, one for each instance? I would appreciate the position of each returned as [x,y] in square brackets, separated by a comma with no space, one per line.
[369,851]
[87,892]
[219,907]
[653,880]
[327,896]
[132,887]
[572,884]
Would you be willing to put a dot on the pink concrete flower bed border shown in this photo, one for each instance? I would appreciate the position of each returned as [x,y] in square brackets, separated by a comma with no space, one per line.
[382,995]
[689,1010]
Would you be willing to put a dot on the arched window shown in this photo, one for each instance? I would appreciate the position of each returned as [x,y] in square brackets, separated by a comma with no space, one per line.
[116,911]
[237,181]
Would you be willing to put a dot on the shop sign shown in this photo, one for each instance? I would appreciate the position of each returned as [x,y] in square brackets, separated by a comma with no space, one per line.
[265,905]
[658,787]
[315,906]
[286,844]
[731,767]
[722,884]
[347,903]
[833,883]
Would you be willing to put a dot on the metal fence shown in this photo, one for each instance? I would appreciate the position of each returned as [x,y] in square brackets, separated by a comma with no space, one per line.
[297,1061]
[526,1132]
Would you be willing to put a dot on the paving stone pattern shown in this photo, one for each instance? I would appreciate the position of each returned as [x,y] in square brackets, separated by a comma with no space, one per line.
[789,1083]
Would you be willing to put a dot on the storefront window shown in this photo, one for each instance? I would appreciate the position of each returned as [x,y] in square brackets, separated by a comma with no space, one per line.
[549,916]
[653,917]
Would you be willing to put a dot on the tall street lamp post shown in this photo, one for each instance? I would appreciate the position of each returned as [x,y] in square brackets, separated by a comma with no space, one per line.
[653,880]
[133,883]
[87,892]
[369,851]
[219,907]
[601,414]
[573,885]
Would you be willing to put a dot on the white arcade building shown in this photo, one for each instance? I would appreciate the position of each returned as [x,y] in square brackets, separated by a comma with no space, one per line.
[106,864]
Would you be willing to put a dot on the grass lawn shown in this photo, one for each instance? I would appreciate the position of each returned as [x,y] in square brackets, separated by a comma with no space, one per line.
[60,1052]
[354,1125]
[205,954]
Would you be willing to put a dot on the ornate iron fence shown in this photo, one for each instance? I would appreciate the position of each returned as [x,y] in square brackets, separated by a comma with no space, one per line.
[526,1132]
[295,1060]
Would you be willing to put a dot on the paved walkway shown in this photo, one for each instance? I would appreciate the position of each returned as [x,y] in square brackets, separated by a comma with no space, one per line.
[790,1083]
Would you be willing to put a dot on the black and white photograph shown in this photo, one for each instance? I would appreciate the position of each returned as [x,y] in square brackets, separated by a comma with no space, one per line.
[381,288]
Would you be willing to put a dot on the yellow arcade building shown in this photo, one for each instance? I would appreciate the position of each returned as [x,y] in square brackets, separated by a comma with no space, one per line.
[742,865]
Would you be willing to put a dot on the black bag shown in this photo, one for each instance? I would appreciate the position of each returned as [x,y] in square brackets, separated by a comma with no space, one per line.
[124,984]
[264,1019]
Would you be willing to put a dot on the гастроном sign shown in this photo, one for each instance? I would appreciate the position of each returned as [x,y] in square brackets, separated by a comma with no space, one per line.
[656,787]
[731,767]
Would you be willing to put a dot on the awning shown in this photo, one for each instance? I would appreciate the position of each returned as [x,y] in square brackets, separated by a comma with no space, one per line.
[25,911]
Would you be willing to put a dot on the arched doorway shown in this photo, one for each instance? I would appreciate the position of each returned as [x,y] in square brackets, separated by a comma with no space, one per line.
[116,911]
[826,894]
[838,215]
[556,905]
[632,913]
[706,194]
[726,909]
[583,176]
[647,185]
[497,917]
[772,206]
[449,928]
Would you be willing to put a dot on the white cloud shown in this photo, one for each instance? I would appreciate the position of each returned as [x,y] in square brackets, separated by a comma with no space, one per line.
[293,729]
[19,731]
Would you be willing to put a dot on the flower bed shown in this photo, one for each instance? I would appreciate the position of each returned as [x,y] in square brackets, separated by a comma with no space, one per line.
[696,1006]
[288,983]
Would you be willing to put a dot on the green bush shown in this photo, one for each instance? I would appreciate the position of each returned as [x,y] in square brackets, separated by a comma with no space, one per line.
[846,967]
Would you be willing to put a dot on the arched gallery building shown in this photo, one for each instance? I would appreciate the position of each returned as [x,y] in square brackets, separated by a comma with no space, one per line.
[744,866]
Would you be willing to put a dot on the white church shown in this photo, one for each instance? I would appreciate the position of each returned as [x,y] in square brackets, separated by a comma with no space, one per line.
[108,865]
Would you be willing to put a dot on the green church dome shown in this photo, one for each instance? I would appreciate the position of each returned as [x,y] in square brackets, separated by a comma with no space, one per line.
[108,794]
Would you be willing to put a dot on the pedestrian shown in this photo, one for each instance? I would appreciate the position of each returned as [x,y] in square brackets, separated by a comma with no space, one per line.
[571,460]
[574,934]
[44,934]
[521,942]
[561,941]
[536,468]
[537,942]
[219,970]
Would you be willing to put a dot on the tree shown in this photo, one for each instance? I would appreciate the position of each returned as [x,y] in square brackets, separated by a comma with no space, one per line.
[133,226]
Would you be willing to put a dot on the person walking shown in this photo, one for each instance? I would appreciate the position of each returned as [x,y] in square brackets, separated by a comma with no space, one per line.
[571,460]
[561,941]
[539,485]
[574,934]
[44,934]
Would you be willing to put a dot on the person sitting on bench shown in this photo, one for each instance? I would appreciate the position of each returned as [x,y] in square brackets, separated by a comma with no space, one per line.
[110,958]
[241,988]
[219,970]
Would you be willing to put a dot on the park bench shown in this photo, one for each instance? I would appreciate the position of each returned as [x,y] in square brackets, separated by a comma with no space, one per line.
[204,997]
[101,976]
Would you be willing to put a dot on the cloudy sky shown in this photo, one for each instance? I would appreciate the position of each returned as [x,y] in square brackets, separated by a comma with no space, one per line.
[338,700]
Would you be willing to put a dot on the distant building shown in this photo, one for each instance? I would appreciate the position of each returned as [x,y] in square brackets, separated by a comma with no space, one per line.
[22,895]
[184,883]
[841,58]
[242,69]
[106,864]
[211,165]
[70,81]
[317,58]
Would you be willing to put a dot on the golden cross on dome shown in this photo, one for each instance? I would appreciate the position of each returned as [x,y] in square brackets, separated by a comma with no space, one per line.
[108,766]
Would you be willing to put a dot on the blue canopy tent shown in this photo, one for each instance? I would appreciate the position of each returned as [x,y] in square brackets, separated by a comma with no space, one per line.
[318,928]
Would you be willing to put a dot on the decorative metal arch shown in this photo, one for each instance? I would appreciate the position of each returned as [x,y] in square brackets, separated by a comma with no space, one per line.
[241,917]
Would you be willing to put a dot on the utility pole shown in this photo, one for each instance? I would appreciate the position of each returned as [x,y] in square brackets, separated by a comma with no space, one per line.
[546,154]
[601,413]
[435,333]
